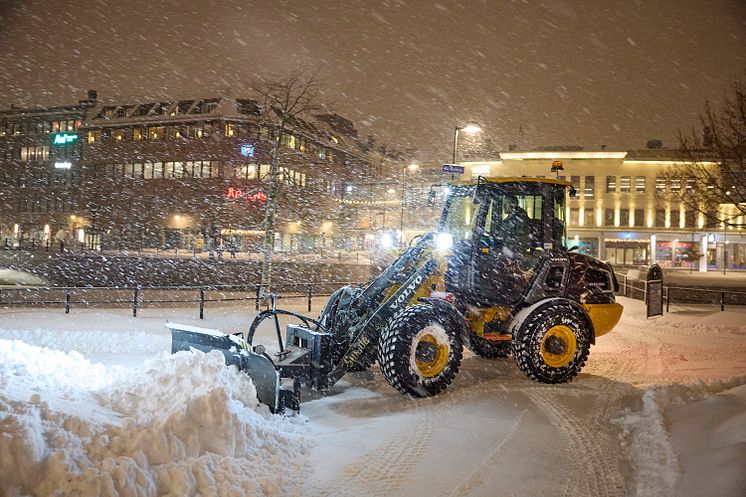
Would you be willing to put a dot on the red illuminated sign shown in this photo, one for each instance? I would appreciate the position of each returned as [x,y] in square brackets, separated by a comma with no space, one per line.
[235,193]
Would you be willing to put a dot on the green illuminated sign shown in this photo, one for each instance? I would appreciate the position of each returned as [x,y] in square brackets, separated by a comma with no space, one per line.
[63,138]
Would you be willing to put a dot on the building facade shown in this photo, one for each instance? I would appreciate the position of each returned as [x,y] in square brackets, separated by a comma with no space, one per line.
[625,210]
[188,174]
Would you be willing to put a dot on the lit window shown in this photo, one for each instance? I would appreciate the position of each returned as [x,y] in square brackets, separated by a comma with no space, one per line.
[590,186]
[335,139]
[34,153]
[574,216]
[623,217]
[639,217]
[675,184]
[156,132]
[575,184]
[609,217]
[291,141]
[94,136]
[639,184]
[660,184]
[230,129]
[625,184]
[610,184]
[137,134]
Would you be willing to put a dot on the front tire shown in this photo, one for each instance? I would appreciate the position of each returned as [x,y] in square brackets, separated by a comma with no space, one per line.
[420,351]
[552,343]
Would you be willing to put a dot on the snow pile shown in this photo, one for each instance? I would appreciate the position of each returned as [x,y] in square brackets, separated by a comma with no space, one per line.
[183,424]
[95,342]
[688,440]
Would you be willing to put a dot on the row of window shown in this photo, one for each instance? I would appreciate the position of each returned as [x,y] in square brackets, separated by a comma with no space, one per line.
[159,108]
[630,184]
[204,130]
[41,153]
[638,219]
[39,127]
[195,169]
[183,131]
[261,172]
[55,204]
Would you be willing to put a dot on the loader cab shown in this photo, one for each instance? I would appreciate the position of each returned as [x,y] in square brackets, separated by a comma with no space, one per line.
[500,229]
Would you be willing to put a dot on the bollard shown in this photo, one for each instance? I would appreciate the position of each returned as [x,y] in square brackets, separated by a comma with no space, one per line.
[258,293]
[722,301]
[310,297]
[67,300]
[135,298]
[202,303]
[668,299]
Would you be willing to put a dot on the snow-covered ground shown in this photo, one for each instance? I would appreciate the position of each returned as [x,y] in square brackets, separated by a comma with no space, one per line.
[91,403]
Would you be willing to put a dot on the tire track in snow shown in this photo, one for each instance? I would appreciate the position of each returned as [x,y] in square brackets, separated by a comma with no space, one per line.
[595,471]
[382,471]
[476,477]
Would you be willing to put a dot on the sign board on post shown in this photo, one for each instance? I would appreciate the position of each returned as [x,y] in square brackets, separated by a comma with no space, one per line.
[654,291]
[453,169]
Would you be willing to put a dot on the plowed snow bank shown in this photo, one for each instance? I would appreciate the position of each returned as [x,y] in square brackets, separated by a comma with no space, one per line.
[182,425]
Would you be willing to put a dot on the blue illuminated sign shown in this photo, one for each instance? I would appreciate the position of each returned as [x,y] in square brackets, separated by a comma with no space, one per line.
[247,150]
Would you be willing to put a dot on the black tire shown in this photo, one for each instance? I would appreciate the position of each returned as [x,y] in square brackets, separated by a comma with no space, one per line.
[489,350]
[330,321]
[552,343]
[420,351]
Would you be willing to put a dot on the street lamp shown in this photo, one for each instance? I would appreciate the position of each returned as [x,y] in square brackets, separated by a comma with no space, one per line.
[411,167]
[469,128]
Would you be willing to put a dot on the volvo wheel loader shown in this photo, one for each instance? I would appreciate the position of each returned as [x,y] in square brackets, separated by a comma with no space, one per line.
[496,277]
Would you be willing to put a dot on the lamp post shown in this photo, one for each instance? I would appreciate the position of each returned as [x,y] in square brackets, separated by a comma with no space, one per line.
[411,167]
[469,128]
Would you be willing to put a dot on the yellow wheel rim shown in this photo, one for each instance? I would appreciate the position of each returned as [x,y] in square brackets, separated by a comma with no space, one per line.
[558,346]
[438,359]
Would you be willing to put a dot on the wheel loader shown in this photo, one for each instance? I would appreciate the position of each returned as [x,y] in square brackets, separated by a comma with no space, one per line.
[496,277]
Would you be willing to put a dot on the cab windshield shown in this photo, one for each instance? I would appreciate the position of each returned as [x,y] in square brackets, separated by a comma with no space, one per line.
[460,213]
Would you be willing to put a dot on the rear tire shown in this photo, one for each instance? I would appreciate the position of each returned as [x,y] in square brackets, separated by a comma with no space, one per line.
[552,343]
[420,351]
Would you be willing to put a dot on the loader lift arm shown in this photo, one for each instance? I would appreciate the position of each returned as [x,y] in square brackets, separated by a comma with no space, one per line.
[319,356]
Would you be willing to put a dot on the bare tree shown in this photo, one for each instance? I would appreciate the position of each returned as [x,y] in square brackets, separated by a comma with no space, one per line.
[286,104]
[714,164]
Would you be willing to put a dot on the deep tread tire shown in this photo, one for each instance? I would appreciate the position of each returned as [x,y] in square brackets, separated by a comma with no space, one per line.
[488,350]
[329,319]
[528,335]
[399,340]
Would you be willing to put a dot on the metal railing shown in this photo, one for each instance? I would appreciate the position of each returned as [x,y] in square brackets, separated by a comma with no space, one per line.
[636,289]
[703,296]
[137,297]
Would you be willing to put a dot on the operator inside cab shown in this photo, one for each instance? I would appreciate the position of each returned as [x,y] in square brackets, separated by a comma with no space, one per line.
[515,227]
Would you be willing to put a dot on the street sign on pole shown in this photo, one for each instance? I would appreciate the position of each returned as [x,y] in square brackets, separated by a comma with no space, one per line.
[453,169]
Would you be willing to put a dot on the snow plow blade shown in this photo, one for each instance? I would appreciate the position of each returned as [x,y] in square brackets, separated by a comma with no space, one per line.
[260,368]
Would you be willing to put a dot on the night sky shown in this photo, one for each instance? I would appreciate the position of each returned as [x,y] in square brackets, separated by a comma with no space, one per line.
[585,72]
